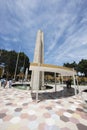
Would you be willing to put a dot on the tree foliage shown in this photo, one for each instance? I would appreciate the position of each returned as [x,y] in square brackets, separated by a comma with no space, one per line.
[9,58]
[80,67]
[71,65]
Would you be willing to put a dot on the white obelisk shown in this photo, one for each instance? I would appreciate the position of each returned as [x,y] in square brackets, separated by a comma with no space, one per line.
[37,78]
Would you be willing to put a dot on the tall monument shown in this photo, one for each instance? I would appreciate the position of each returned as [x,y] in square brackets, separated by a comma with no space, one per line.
[37,78]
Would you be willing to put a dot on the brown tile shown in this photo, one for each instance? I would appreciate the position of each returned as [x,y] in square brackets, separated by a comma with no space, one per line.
[24,115]
[2,115]
[41,126]
[7,118]
[74,120]
[18,109]
[32,118]
[79,109]
[46,115]
[84,116]
[49,108]
[64,118]
[65,128]
[59,113]
[9,104]
[81,127]
[70,111]
[4,111]
[25,104]
[24,128]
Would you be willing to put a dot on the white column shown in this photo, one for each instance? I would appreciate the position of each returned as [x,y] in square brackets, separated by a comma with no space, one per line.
[39,59]
[62,79]
[77,84]
[59,79]
[37,86]
[74,82]
[37,83]
[31,84]
[55,81]
[0,83]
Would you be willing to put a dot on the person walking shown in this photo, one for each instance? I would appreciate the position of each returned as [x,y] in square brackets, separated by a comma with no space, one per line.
[5,83]
[10,83]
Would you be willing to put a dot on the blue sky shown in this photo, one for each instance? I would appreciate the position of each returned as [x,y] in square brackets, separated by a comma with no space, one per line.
[64,23]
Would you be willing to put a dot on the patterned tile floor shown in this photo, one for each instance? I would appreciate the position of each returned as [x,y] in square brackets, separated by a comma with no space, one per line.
[18,111]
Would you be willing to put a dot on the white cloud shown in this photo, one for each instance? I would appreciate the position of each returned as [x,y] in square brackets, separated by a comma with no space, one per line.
[64,25]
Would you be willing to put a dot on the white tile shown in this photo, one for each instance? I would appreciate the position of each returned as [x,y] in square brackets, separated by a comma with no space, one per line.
[15,120]
[67,114]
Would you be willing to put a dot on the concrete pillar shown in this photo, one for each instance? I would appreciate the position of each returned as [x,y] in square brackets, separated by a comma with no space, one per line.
[59,79]
[55,81]
[37,86]
[77,84]
[74,81]
[39,59]
[62,79]
[0,83]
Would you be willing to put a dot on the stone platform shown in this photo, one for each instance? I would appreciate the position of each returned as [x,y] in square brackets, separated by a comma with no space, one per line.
[19,111]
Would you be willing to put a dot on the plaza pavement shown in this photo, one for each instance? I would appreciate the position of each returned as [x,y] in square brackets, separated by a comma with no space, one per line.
[54,111]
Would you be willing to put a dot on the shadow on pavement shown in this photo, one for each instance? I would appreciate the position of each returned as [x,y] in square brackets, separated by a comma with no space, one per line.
[66,92]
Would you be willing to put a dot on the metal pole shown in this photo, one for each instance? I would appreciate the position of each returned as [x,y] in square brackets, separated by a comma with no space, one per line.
[74,81]
[16,66]
[23,68]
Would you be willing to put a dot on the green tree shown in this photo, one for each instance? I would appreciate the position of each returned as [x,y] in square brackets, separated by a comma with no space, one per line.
[11,61]
[23,62]
[9,58]
[71,65]
[82,67]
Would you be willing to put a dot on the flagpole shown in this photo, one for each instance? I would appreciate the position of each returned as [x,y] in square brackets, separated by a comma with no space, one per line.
[16,65]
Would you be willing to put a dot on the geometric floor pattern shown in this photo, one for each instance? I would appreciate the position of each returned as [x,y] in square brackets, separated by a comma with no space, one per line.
[18,111]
